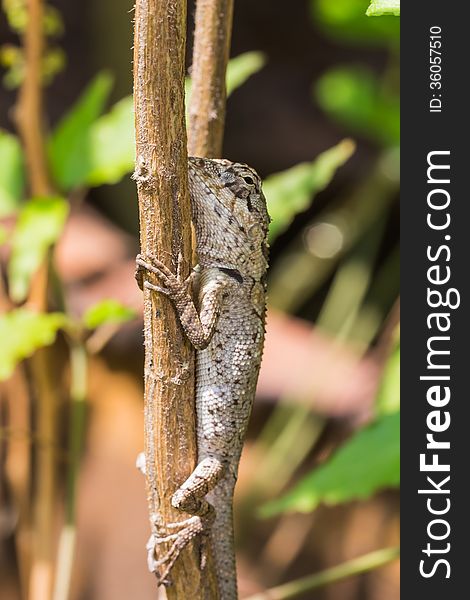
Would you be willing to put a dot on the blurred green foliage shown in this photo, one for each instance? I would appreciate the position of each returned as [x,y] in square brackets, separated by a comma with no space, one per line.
[16,13]
[241,68]
[368,462]
[347,21]
[112,146]
[90,147]
[388,398]
[377,8]
[12,57]
[69,147]
[356,99]
[292,191]
[106,312]
[86,148]
[26,331]
[365,104]
[39,225]
[12,177]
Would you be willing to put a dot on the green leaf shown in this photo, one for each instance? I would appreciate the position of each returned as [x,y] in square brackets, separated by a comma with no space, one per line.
[22,332]
[111,153]
[39,225]
[112,144]
[12,176]
[16,12]
[347,20]
[107,311]
[355,98]
[378,8]
[242,67]
[291,192]
[368,462]
[239,69]
[388,397]
[69,145]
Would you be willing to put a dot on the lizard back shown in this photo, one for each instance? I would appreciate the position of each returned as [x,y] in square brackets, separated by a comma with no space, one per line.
[231,222]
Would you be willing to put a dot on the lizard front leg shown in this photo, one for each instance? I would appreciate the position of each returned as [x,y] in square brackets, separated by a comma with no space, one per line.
[199,327]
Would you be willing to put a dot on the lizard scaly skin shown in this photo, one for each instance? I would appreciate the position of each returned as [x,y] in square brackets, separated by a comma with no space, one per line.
[226,326]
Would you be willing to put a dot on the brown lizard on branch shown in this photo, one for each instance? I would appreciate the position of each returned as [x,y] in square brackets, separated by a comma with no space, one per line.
[225,323]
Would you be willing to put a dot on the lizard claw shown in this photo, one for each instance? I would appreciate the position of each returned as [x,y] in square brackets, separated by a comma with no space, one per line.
[161,567]
[157,288]
[140,463]
[174,285]
[139,272]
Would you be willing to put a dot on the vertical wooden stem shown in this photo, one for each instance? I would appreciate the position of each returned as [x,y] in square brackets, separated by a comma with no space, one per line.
[28,116]
[208,94]
[165,217]
[40,587]
[28,112]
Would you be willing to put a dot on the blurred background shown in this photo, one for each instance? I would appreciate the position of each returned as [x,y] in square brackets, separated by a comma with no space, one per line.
[314,107]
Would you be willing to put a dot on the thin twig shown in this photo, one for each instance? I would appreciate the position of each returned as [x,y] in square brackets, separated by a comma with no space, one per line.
[161,176]
[18,454]
[18,466]
[28,113]
[28,116]
[78,393]
[364,563]
[208,94]
[45,467]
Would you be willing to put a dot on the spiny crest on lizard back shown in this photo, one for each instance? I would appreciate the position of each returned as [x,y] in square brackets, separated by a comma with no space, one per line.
[230,215]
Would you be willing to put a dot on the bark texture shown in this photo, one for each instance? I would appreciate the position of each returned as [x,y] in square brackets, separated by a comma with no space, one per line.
[208,95]
[165,220]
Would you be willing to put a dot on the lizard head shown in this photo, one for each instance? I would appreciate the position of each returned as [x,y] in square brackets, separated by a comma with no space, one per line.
[230,215]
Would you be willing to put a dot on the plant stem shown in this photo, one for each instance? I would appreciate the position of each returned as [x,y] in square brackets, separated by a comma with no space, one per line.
[45,463]
[364,563]
[208,94]
[28,116]
[78,393]
[18,455]
[28,112]
[165,218]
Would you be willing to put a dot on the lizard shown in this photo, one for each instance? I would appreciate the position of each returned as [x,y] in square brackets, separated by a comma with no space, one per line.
[226,325]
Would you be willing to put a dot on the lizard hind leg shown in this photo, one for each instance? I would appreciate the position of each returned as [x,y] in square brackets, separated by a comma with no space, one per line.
[190,499]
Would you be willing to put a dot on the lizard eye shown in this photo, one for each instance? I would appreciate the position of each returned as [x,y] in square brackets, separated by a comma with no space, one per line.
[248,180]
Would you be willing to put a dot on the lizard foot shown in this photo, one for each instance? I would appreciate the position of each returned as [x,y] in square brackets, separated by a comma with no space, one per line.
[190,528]
[174,285]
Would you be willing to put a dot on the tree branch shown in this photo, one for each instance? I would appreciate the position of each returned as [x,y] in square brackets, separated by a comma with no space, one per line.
[28,114]
[208,94]
[161,176]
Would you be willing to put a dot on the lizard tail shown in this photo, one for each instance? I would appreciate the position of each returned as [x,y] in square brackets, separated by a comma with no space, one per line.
[222,541]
